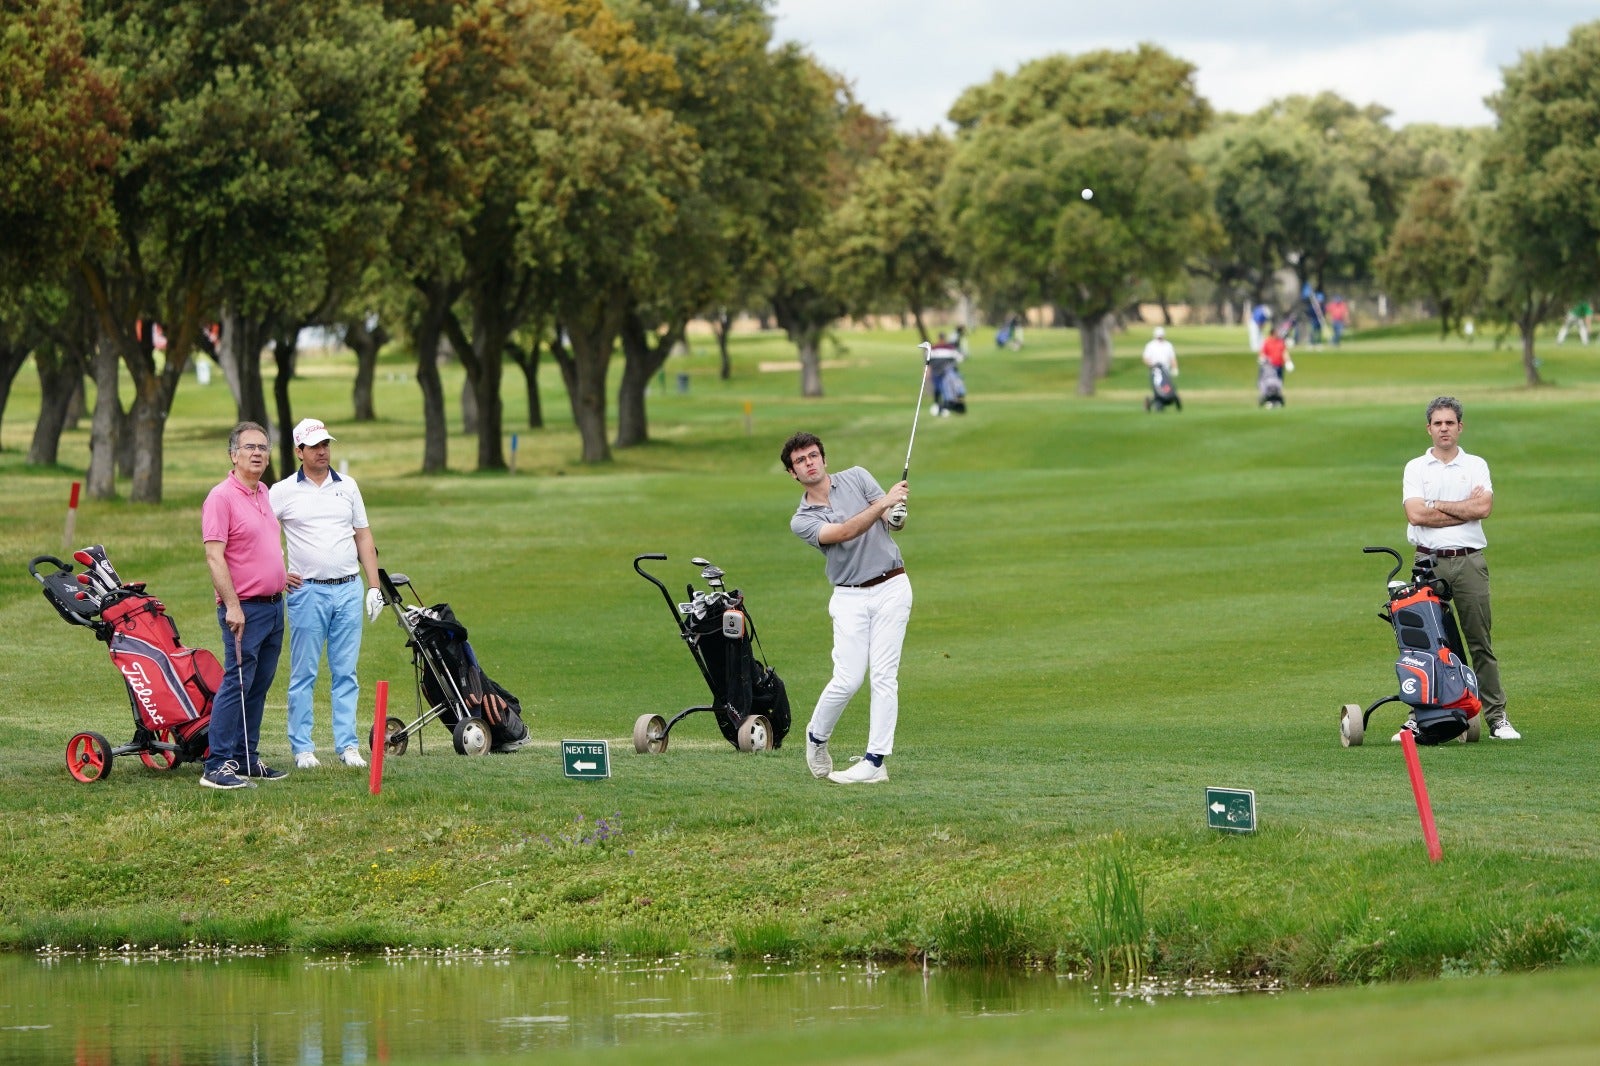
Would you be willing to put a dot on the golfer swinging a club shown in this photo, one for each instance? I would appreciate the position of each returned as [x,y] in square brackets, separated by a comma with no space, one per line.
[847,516]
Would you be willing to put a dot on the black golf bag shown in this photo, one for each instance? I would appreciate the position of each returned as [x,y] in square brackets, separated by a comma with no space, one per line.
[1436,681]
[451,684]
[170,687]
[1163,390]
[749,701]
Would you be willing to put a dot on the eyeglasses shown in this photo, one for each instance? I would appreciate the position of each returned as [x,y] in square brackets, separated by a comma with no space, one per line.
[255,448]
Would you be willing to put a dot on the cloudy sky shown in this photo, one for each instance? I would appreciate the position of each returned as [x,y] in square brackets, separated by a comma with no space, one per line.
[1424,60]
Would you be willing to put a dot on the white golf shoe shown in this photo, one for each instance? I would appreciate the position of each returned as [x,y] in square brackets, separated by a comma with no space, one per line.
[860,772]
[351,757]
[306,760]
[1505,731]
[817,757]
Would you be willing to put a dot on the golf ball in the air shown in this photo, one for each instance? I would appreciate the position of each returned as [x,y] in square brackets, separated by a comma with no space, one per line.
[1088,194]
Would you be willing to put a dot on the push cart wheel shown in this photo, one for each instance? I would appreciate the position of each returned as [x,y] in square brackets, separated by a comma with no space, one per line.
[88,757]
[395,738]
[473,737]
[1352,730]
[650,734]
[161,758]
[755,733]
[1474,731]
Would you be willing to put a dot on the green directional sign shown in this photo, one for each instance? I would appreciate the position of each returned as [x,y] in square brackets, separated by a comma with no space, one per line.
[1232,810]
[586,759]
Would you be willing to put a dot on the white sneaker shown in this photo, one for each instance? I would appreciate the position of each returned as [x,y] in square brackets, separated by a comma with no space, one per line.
[861,772]
[351,757]
[1396,738]
[306,760]
[1505,731]
[817,758]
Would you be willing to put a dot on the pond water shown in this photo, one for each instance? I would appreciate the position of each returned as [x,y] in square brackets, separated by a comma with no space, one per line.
[199,1008]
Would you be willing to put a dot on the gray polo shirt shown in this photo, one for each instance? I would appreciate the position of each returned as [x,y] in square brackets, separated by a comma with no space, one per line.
[850,562]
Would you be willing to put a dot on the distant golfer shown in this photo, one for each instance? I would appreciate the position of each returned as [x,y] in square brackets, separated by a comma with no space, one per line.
[847,516]
[1447,494]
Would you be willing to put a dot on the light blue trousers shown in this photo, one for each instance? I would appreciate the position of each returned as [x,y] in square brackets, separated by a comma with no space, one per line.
[331,616]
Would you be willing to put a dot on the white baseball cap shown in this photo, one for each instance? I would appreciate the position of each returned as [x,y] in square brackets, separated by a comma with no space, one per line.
[311,431]
[1159,333]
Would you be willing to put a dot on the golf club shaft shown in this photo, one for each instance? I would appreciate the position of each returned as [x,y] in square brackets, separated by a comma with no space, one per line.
[922,387]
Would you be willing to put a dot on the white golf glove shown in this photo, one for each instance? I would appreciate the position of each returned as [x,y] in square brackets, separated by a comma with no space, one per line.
[374,604]
[896,516]
[1288,364]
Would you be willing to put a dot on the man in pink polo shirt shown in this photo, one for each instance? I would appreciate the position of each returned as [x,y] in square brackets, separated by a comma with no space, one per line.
[245,557]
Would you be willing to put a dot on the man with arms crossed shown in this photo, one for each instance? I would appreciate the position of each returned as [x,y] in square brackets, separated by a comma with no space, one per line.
[330,550]
[848,517]
[1447,494]
[246,564]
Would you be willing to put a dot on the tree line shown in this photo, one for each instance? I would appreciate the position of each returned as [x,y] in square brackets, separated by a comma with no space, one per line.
[511,180]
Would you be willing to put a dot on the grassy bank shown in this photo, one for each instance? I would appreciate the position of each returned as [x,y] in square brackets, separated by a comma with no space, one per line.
[1114,611]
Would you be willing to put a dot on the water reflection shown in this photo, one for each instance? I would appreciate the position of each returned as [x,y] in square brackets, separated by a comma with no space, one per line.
[199,1010]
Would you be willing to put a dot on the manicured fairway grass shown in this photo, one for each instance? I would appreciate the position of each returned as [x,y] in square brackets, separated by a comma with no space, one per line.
[1114,611]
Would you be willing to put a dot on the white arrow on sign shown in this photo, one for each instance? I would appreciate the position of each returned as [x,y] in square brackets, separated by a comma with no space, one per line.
[1218,808]
[586,766]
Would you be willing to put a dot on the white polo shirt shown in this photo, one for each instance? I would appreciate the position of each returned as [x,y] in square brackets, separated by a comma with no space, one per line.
[1426,478]
[319,523]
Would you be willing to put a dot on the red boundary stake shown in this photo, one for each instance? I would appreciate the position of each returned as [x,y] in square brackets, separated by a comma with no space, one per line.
[380,737]
[1419,788]
[72,518]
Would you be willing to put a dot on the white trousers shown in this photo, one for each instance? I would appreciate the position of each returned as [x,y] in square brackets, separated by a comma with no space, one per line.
[869,626]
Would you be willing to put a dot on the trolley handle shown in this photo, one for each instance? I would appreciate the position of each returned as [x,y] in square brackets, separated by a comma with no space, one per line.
[642,572]
[1398,562]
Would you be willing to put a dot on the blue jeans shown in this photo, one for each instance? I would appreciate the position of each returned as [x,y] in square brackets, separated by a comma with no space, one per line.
[236,729]
[319,615]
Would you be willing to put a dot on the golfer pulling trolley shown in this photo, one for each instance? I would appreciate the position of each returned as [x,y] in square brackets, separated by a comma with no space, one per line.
[847,516]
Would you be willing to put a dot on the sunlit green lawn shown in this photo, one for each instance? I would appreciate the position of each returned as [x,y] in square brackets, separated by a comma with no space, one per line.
[1114,610]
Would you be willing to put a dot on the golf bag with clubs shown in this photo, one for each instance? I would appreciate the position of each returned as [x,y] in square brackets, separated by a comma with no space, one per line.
[1163,390]
[1269,386]
[949,387]
[451,685]
[170,687]
[748,698]
[1436,682]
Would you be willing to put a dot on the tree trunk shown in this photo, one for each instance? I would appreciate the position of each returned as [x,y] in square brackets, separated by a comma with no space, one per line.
[1090,338]
[528,361]
[12,356]
[107,426]
[1529,326]
[922,329]
[285,354]
[722,325]
[592,327]
[427,332]
[809,344]
[60,376]
[641,360]
[147,420]
[239,354]
[1103,345]
[366,342]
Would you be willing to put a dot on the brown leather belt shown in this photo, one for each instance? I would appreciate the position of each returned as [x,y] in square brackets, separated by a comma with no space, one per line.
[880,579]
[1448,553]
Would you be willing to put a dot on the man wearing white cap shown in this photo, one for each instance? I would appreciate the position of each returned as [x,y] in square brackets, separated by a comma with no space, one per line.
[330,551]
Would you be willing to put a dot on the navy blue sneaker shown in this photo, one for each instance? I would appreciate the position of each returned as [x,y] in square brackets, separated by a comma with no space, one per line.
[225,776]
[262,772]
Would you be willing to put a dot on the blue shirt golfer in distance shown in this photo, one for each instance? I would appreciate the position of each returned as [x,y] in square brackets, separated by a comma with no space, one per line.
[847,516]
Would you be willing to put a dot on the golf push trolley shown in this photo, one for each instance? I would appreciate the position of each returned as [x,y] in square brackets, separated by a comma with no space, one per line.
[1436,681]
[748,697]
